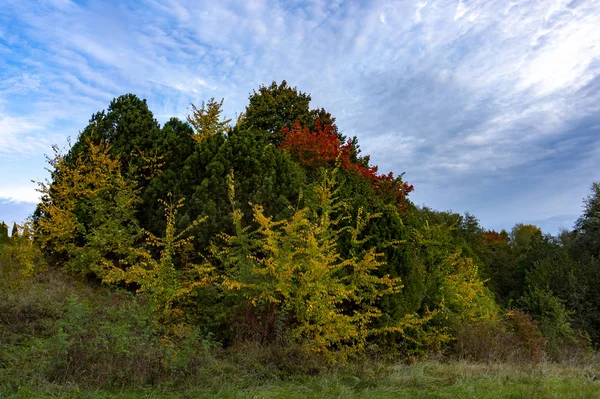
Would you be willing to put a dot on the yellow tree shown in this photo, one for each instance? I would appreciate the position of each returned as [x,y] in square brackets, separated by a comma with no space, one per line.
[323,302]
[165,283]
[21,254]
[207,120]
[87,220]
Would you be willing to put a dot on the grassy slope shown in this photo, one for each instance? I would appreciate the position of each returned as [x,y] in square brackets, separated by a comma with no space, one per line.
[32,311]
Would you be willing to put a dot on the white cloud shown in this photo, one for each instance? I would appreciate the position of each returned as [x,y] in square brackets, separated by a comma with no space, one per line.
[16,135]
[20,193]
[461,10]
[419,7]
[564,59]
[443,90]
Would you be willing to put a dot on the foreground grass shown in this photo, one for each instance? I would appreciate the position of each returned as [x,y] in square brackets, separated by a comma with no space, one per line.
[420,380]
[64,339]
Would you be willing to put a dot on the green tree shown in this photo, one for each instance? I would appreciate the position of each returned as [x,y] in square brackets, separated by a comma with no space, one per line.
[524,236]
[265,175]
[500,263]
[129,128]
[275,107]
[175,145]
[587,226]
[87,221]
[3,233]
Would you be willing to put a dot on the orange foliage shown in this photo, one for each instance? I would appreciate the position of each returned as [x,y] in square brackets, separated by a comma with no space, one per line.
[324,147]
[493,237]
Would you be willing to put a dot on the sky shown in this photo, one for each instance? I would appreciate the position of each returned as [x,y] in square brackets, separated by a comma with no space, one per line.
[488,107]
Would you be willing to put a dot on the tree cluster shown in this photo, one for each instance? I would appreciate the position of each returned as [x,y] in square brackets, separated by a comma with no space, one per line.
[276,229]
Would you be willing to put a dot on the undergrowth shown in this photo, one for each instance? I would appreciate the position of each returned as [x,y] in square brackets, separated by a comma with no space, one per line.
[62,337]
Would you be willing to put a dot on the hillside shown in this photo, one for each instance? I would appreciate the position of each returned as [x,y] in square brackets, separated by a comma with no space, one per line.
[267,255]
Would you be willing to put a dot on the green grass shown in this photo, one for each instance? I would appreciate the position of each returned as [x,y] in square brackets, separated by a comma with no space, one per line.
[426,379]
[60,338]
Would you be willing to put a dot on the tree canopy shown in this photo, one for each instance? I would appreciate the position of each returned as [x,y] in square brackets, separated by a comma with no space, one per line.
[277,229]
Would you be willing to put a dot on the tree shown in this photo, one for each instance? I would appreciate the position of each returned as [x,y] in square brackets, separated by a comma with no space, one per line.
[276,107]
[87,221]
[523,236]
[500,266]
[297,275]
[207,120]
[587,227]
[174,146]
[129,129]
[15,231]
[160,278]
[265,175]
[3,233]
[323,147]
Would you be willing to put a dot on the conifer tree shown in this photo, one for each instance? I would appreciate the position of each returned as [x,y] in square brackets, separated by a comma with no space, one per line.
[3,233]
[15,231]
[273,108]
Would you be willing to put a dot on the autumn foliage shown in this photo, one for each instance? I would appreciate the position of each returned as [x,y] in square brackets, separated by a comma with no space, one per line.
[494,237]
[309,248]
[323,147]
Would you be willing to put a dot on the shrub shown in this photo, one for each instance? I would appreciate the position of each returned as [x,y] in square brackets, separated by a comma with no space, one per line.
[515,338]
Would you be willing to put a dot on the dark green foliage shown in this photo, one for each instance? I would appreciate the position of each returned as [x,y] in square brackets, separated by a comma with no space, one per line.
[500,268]
[587,228]
[174,146]
[129,128]
[583,244]
[134,136]
[264,176]
[3,233]
[277,106]
[100,205]
[554,322]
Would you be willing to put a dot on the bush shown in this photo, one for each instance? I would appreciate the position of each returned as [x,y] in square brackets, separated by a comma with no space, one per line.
[119,344]
[514,339]
[554,319]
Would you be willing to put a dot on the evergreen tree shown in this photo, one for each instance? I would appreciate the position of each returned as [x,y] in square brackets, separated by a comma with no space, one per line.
[273,108]
[15,231]
[265,175]
[129,128]
[587,226]
[175,145]
[3,233]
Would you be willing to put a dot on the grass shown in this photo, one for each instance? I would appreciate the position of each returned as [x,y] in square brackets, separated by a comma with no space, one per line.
[60,338]
[426,379]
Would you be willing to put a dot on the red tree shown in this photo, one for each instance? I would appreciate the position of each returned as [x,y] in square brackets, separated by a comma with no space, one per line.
[493,237]
[324,148]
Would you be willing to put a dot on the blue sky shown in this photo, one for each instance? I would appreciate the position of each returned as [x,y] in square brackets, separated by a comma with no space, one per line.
[490,107]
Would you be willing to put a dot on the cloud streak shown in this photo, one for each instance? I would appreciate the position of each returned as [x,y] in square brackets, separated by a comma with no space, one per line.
[487,106]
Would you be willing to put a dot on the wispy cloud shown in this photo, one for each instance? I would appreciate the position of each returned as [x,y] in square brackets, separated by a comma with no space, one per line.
[484,104]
